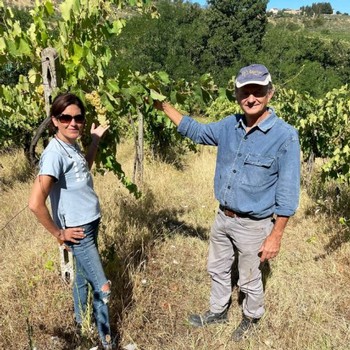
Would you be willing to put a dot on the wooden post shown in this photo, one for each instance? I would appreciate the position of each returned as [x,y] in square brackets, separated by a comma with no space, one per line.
[139,155]
[48,61]
[66,262]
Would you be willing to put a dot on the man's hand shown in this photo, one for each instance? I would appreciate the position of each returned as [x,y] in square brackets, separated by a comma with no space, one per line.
[272,244]
[270,247]
[158,105]
[174,115]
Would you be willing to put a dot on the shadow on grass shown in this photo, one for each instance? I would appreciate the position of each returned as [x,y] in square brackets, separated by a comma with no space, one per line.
[266,272]
[123,255]
[332,200]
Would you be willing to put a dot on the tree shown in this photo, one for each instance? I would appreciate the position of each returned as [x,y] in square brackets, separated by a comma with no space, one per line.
[9,71]
[320,8]
[303,63]
[236,29]
[173,42]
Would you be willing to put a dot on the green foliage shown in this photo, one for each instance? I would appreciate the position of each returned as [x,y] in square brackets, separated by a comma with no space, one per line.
[187,40]
[313,22]
[323,126]
[173,42]
[21,111]
[10,72]
[236,29]
[303,63]
[161,134]
[79,34]
[225,104]
[317,9]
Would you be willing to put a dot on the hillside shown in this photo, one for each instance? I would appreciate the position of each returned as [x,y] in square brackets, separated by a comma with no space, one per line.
[335,27]
[326,26]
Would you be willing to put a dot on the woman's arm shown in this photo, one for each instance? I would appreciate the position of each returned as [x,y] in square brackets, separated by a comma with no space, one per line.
[96,134]
[37,204]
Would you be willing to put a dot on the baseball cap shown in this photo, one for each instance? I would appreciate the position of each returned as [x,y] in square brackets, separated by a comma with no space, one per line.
[253,74]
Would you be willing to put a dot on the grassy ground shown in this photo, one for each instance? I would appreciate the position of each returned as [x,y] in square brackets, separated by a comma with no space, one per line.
[154,251]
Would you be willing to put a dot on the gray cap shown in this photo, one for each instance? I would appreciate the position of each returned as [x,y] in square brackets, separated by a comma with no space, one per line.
[253,74]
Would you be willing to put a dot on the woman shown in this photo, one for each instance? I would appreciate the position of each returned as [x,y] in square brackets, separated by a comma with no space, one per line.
[65,176]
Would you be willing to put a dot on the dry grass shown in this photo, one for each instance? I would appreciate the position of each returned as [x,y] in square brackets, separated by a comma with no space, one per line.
[154,250]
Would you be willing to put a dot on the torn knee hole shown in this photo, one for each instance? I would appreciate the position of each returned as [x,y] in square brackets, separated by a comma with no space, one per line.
[106,287]
[106,292]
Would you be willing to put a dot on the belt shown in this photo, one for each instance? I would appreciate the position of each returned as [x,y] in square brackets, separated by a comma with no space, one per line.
[234,214]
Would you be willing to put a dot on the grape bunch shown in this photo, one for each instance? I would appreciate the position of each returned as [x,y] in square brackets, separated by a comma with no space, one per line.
[95,100]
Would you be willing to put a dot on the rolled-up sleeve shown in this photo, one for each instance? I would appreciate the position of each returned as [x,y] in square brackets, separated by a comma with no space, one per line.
[288,185]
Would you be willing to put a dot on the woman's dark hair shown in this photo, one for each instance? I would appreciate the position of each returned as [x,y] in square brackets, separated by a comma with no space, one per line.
[62,101]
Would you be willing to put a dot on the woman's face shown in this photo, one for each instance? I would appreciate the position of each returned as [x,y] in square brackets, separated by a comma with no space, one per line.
[68,128]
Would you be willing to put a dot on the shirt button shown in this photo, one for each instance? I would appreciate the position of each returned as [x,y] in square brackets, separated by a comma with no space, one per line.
[229,187]
[246,137]
[239,154]
[234,171]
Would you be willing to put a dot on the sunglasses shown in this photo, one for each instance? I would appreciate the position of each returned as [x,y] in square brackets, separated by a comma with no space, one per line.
[67,118]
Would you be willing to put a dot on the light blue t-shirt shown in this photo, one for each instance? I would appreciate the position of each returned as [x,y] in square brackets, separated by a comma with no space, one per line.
[73,199]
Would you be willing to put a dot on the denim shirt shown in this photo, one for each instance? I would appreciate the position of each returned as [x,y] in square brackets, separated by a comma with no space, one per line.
[257,172]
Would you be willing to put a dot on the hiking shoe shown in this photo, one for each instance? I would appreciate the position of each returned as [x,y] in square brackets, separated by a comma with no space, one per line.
[208,318]
[246,326]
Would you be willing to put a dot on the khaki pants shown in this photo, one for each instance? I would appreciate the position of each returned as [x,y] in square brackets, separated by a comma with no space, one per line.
[244,236]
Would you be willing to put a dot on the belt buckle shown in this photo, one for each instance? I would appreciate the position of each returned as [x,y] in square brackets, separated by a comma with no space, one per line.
[230,213]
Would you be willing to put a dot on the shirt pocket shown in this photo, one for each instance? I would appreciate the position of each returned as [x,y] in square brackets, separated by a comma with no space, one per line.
[258,170]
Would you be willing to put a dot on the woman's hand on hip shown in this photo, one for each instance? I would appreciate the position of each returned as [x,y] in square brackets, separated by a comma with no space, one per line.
[72,234]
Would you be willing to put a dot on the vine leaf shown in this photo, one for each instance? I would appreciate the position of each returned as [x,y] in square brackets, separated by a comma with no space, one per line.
[156,95]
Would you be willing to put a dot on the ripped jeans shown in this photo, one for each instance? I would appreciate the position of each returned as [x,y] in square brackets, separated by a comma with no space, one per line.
[89,270]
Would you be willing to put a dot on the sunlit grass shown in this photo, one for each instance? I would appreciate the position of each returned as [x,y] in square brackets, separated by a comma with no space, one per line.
[154,250]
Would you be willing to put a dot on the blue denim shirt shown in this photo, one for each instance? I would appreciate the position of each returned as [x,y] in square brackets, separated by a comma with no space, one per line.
[257,173]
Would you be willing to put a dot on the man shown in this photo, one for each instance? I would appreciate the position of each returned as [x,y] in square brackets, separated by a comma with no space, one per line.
[257,181]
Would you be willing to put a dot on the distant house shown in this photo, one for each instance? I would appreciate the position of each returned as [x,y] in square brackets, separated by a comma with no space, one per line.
[292,12]
[274,11]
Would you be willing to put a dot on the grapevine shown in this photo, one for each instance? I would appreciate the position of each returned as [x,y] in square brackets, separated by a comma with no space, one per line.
[80,32]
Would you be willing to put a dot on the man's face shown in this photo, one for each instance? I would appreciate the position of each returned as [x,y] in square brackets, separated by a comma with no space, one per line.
[253,99]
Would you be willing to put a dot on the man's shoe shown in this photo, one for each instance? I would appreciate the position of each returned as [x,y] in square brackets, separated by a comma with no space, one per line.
[208,318]
[246,326]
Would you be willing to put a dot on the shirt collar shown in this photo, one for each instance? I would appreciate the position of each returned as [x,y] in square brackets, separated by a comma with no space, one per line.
[265,125]
[268,122]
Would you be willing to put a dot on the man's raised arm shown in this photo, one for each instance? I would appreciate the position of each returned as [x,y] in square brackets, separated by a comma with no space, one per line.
[174,115]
